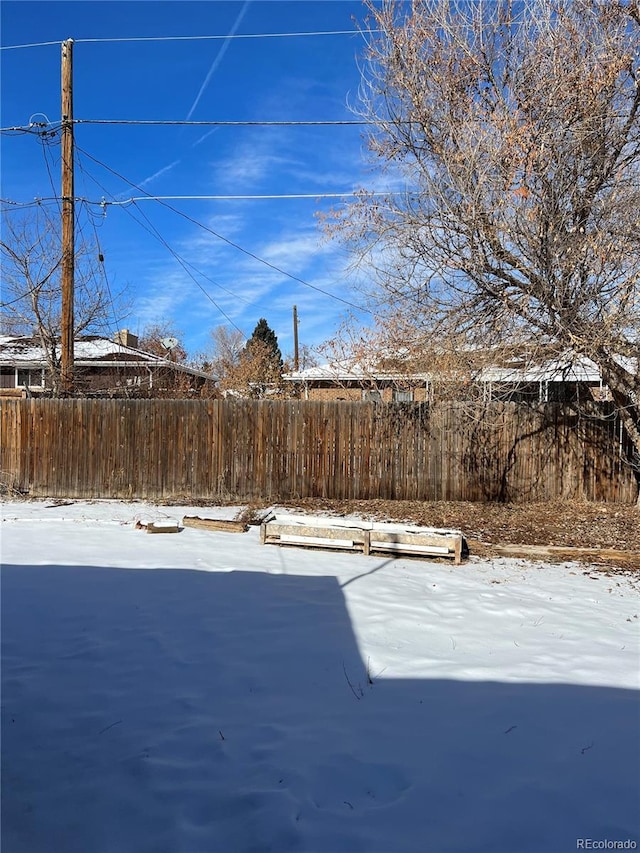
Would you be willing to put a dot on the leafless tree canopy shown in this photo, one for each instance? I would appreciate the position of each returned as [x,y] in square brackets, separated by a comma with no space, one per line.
[31,290]
[155,336]
[226,346]
[515,127]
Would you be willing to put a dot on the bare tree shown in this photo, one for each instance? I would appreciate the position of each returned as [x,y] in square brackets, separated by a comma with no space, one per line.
[157,338]
[515,127]
[307,357]
[31,289]
[392,353]
[226,347]
[248,368]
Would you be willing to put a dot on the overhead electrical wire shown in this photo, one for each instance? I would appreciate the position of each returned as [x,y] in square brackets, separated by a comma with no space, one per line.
[43,129]
[253,197]
[52,128]
[250,197]
[233,36]
[151,229]
[197,38]
[184,266]
[35,44]
[25,128]
[224,123]
[226,239]
[24,205]
[100,258]
[47,144]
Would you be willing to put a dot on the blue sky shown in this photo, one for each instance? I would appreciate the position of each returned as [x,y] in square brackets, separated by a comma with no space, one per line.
[266,79]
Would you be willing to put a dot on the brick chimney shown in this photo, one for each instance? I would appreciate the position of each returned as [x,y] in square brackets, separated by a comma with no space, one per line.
[126,339]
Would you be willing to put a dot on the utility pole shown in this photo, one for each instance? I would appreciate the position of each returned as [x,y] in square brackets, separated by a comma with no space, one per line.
[68,242]
[296,354]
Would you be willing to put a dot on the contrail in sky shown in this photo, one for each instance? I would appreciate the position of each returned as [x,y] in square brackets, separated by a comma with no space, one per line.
[219,57]
[158,173]
[207,79]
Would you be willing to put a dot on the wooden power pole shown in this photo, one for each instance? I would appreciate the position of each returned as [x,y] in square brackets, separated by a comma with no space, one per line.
[68,243]
[296,354]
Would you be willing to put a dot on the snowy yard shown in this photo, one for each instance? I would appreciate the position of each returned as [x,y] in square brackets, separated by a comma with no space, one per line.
[199,692]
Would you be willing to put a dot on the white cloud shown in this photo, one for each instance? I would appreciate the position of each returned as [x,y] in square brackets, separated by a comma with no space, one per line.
[248,167]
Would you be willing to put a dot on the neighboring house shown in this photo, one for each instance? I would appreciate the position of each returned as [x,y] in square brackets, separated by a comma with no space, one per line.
[567,378]
[562,379]
[352,380]
[102,367]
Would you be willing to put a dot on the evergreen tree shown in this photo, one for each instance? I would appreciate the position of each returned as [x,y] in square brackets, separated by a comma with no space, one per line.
[258,369]
[264,334]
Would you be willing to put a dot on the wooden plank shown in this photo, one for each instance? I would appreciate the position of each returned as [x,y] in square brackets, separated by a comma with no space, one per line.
[217,524]
[447,540]
[410,548]
[162,527]
[274,529]
[324,541]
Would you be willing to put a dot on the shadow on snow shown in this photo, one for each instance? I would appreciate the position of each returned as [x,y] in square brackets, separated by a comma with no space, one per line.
[191,711]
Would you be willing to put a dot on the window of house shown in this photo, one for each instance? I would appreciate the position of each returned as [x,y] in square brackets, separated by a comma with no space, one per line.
[372,396]
[400,396]
[30,378]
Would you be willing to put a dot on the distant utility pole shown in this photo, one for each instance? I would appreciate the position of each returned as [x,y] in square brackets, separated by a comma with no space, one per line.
[296,354]
[68,244]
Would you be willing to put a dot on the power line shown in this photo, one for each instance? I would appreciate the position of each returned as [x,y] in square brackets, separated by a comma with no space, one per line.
[227,240]
[36,44]
[46,145]
[151,229]
[254,197]
[184,265]
[35,129]
[197,38]
[103,273]
[23,205]
[51,128]
[185,122]
[234,36]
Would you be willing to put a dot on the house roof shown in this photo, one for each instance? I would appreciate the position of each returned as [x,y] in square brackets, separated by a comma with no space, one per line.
[348,370]
[565,368]
[22,351]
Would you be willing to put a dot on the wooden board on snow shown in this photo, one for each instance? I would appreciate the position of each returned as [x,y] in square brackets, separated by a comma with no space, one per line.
[230,525]
[162,527]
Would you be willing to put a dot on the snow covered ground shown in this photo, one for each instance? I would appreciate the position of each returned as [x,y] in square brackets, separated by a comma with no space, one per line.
[199,692]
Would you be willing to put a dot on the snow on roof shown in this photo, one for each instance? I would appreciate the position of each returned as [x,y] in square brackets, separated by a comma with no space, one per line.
[565,368]
[346,370]
[25,349]
[19,350]
[562,369]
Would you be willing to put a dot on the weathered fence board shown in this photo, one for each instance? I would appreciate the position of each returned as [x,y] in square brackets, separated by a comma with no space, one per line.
[277,450]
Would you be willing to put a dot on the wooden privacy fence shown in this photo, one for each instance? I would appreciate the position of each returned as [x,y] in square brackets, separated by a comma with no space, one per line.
[278,450]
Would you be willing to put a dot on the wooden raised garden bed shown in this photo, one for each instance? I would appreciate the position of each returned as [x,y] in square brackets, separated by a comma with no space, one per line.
[364,536]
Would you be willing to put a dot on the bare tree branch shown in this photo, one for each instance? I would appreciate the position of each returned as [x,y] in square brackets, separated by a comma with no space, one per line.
[30,256]
[516,130]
